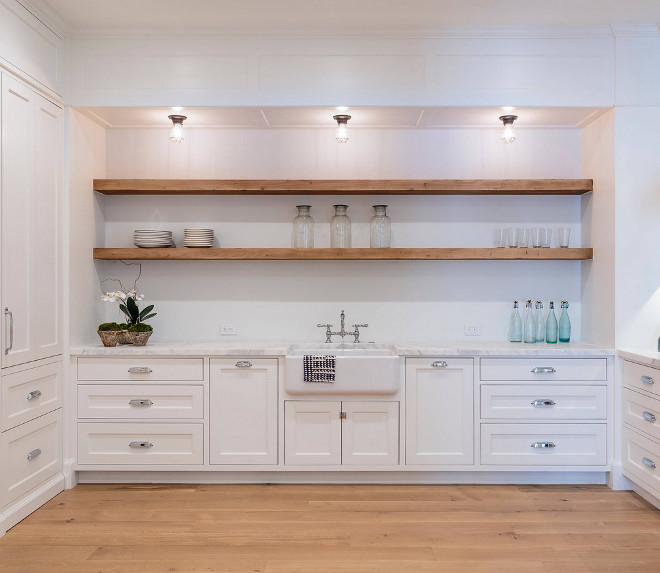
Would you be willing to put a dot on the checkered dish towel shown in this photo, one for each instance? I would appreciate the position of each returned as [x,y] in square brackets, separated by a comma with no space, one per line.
[318,368]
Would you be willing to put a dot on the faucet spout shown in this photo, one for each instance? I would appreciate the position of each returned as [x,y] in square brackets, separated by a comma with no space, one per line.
[342,332]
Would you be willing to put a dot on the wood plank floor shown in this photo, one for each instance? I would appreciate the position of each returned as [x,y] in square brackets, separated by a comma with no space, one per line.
[336,528]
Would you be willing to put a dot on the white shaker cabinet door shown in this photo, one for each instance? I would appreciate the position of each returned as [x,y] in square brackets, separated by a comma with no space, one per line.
[439,411]
[243,411]
[312,432]
[370,433]
[17,207]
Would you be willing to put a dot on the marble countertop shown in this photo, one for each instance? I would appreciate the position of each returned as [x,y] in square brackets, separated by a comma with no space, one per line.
[643,356]
[272,348]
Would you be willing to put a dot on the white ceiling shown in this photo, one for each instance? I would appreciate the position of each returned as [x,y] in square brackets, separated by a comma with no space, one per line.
[361,117]
[84,16]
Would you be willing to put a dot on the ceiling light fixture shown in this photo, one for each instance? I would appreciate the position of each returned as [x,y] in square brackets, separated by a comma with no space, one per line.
[341,134]
[508,133]
[176,133]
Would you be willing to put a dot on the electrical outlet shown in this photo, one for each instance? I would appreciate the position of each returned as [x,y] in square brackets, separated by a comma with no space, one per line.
[472,330]
[227,328]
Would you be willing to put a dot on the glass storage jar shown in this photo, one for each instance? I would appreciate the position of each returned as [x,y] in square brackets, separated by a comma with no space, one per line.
[303,228]
[381,228]
[340,228]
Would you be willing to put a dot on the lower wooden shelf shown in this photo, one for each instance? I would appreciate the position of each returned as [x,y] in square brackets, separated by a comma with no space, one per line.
[267,254]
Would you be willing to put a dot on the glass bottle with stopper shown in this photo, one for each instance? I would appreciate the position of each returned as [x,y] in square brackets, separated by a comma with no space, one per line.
[551,325]
[564,323]
[515,324]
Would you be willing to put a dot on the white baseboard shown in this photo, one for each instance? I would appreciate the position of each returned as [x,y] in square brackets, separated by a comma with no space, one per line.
[616,480]
[31,501]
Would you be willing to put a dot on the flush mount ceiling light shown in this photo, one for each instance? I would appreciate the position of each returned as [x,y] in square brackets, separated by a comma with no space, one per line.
[341,135]
[176,133]
[508,133]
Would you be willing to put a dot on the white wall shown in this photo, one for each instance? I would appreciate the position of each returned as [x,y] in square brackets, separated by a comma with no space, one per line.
[417,301]
[87,157]
[598,230]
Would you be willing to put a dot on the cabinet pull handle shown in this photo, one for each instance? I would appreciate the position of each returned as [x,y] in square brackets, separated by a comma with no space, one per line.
[543,445]
[648,416]
[543,403]
[645,379]
[141,402]
[244,364]
[140,370]
[33,454]
[34,394]
[11,330]
[439,364]
[649,463]
[140,445]
[543,370]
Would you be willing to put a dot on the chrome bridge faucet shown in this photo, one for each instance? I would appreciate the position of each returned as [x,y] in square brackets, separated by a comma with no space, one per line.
[355,333]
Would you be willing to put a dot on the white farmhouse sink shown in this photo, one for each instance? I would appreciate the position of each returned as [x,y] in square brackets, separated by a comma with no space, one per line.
[360,369]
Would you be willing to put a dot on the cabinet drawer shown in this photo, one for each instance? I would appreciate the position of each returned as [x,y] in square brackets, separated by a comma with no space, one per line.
[641,412]
[140,443]
[543,402]
[145,401]
[574,444]
[544,369]
[138,368]
[31,453]
[641,377]
[30,393]
[641,457]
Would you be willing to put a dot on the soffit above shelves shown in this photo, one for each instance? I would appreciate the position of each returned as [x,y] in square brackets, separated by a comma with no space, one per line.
[361,117]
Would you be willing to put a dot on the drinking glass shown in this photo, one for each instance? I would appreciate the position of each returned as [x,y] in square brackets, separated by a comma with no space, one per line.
[537,237]
[546,238]
[563,235]
[512,237]
[523,238]
[499,238]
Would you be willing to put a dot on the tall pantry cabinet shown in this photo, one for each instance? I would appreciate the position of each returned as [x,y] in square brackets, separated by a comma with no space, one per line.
[30,300]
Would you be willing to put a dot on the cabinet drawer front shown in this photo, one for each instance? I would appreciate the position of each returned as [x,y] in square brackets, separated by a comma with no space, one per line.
[639,456]
[543,402]
[31,453]
[641,412]
[574,444]
[31,393]
[641,377]
[140,443]
[544,369]
[144,401]
[139,369]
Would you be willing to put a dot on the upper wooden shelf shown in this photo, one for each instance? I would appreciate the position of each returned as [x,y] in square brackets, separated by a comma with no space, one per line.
[268,254]
[343,186]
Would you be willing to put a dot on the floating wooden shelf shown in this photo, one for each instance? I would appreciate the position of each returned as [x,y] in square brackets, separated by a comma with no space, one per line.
[343,187]
[185,254]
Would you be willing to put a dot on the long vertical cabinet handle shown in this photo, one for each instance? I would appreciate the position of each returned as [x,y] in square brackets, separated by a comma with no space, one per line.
[11,330]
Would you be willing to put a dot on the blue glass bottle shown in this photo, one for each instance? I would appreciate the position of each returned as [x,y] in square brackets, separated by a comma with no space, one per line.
[540,323]
[530,324]
[564,323]
[515,324]
[551,325]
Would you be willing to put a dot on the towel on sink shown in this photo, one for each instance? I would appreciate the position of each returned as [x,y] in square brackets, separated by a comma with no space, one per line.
[318,368]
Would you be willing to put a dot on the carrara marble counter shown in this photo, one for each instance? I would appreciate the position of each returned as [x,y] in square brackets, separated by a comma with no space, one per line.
[646,357]
[273,348]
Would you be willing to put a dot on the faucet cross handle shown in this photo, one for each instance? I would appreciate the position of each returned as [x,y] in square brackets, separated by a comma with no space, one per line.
[356,332]
[328,331]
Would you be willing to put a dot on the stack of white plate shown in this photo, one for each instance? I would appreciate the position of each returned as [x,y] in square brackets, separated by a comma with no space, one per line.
[198,238]
[151,239]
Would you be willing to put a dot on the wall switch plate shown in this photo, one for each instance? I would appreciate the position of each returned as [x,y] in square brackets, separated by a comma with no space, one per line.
[228,328]
[472,330]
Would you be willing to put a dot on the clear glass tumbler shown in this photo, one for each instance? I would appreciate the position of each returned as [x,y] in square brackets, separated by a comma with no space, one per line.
[380,228]
[340,228]
[563,235]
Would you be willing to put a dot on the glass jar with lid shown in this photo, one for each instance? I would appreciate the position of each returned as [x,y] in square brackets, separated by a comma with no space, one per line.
[303,228]
[340,228]
[380,228]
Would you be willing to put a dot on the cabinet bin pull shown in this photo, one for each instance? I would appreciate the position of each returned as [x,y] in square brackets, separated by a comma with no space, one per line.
[649,463]
[647,379]
[33,454]
[141,402]
[543,445]
[140,445]
[439,364]
[34,394]
[543,370]
[140,370]
[243,364]
[543,403]
[648,416]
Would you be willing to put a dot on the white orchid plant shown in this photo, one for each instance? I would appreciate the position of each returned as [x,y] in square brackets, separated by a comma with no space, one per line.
[128,299]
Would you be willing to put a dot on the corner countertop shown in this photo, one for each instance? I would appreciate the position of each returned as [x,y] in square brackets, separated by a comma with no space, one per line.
[647,357]
[274,348]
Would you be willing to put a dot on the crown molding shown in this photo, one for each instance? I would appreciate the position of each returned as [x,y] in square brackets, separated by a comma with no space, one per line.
[47,16]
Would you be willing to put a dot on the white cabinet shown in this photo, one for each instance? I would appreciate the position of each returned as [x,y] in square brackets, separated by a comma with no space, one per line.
[334,432]
[30,174]
[243,411]
[439,411]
